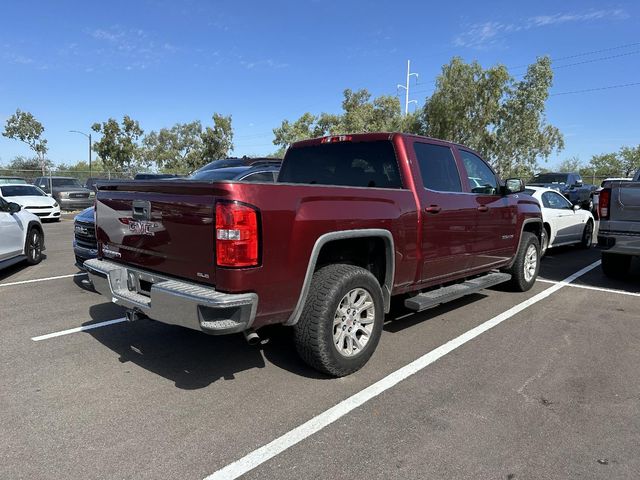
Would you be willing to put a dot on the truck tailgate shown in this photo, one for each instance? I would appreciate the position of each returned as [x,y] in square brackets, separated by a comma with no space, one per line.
[625,204]
[160,226]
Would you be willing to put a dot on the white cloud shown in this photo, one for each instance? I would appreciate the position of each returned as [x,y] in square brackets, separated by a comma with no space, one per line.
[486,34]
[266,63]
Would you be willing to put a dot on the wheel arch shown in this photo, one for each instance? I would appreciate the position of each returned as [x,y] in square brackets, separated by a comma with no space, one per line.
[324,241]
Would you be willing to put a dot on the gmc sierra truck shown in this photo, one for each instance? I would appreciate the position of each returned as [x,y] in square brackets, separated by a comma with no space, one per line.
[619,230]
[353,221]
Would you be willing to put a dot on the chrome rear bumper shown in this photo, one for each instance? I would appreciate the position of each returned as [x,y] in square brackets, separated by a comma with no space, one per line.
[173,301]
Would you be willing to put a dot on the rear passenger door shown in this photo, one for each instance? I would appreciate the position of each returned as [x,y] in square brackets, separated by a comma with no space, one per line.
[496,214]
[448,214]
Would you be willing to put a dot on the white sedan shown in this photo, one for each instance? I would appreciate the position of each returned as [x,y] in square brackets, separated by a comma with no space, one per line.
[32,199]
[564,223]
[21,235]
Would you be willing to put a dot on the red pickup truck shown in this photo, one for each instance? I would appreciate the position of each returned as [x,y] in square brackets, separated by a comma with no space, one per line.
[353,221]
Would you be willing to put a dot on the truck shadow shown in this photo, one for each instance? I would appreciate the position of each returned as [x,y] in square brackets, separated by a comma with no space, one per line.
[191,359]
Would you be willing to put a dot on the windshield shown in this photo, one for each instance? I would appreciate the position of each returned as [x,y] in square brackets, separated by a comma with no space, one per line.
[550,178]
[65,182]
[217,174]
[21,191]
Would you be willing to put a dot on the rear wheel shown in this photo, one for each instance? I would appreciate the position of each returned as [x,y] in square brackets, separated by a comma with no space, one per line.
[544,241]
[33,246]
[526,265]
[615,265]
[587,235]
[342,320]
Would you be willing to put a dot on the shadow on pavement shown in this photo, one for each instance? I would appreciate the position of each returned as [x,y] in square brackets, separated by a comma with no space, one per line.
[193,359]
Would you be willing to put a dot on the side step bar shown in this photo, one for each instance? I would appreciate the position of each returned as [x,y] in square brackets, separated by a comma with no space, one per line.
[436,297]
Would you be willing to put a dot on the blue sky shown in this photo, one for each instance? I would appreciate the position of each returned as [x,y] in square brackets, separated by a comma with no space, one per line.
[161,62]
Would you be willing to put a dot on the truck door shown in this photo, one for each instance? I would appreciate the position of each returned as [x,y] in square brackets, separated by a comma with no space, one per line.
[448,214]
[496,214]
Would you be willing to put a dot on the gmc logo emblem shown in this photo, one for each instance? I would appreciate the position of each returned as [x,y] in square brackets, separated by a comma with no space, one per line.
[142,227]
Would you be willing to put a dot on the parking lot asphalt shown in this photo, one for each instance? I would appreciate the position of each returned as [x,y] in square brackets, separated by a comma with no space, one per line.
[551,391]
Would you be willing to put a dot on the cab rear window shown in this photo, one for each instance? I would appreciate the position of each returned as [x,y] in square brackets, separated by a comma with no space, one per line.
[358,164]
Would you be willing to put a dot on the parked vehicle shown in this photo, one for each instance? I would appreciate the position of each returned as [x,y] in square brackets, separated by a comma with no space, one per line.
[12,180]
[596,193]
[68,192]
[91,182]
[564,223]
[84,237]
[352,221]
[32,199]
[568,184]
[260,173]
[21,235]
[240,162]
[619,230]
[155,176]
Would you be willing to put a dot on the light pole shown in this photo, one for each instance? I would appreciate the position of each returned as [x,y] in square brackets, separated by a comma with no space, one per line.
[89,137]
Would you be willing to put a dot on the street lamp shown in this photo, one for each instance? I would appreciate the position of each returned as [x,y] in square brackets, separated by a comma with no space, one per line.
[89,137]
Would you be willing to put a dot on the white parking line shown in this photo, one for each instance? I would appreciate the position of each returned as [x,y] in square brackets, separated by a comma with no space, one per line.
[326,418]
[78,329]
[22,282]
[589,287]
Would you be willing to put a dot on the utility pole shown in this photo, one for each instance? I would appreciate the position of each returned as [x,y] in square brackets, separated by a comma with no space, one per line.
[406,88]
[89,137]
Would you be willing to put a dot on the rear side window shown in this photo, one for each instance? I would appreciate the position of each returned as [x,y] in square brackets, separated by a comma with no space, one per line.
[358,164]
[437,167]
[259,177]
[481,178]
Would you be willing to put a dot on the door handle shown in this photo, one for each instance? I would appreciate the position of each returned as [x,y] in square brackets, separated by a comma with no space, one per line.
[483,208]
[433,209]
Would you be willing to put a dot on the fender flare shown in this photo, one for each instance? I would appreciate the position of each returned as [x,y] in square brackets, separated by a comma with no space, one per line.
[341,235]
[525,222]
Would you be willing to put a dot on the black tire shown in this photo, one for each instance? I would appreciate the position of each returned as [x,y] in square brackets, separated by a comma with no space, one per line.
[521,281]
[544,241]
[314,332]
[33,246]
[615,265]
[587,235]
[588,205]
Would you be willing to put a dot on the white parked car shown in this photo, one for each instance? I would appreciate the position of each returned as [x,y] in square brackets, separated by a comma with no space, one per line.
[564,223]
[32,199]
[21,235]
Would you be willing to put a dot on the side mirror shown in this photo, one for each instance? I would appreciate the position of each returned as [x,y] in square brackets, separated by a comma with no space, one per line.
[577,184]
[513,185]
[49,195]
[576,208]
[14,208]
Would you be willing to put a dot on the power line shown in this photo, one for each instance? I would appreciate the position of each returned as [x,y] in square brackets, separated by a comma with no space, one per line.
[583,54]
[609,87]
[635,52]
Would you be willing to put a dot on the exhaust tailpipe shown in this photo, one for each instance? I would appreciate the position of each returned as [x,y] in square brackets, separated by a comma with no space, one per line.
[251,337]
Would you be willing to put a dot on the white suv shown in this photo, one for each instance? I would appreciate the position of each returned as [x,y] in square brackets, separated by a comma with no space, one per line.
[21,235]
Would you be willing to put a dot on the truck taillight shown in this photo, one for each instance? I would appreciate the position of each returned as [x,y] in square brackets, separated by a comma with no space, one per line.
[336,139]
[237,235]
[604,202]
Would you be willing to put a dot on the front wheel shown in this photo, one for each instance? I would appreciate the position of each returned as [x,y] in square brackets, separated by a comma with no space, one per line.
[33,246]
[526,265]
[342,320]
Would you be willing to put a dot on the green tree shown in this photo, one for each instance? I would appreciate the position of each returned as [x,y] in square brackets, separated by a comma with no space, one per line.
[630,160]
[359,114]
[178,148]
[571,164]
[606,165]
[217,141]
[488,110]
[119,148]
[25,163]
[23,126]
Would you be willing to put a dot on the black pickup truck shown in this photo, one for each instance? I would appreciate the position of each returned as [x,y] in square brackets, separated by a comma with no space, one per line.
[568,184]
